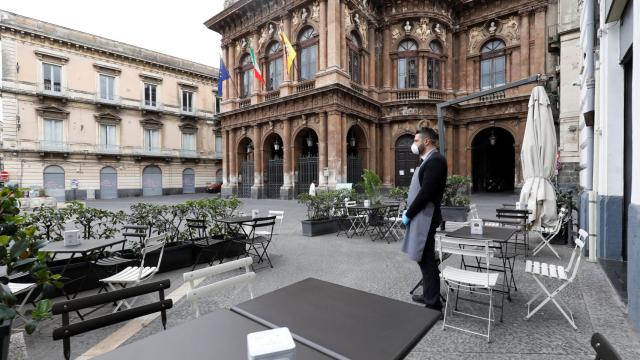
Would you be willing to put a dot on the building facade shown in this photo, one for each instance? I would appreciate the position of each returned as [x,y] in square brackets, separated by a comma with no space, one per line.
[366,75]
[610,142]
[85,116]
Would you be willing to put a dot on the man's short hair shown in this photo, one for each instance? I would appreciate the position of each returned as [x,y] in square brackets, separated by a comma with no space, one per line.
[428,133]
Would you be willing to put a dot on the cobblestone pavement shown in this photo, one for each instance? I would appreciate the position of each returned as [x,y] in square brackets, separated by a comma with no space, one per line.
[383,269]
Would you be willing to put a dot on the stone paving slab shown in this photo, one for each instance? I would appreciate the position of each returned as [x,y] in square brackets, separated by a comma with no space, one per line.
[383,269]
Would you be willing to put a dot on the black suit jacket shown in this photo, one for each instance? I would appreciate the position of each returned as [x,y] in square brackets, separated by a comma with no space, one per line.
[433,179]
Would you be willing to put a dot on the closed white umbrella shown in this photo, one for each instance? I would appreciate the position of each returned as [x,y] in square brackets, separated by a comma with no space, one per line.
[538,156]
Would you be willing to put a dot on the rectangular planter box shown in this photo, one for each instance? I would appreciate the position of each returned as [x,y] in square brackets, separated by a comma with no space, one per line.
[319,227]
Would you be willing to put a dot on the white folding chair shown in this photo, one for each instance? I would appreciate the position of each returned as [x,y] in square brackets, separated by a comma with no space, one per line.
[558,273]
[134,275]
[551,232]
[396,229]
[19,288]
[477,282]
[358,221]
[194,293]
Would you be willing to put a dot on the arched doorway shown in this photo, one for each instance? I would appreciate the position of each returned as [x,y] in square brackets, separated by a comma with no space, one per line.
[246,166]
[306,151]
[406,161]
[53,181]
[108,183]
[493,160]
[356,154]
[273,154]
[151,181]
[188,181]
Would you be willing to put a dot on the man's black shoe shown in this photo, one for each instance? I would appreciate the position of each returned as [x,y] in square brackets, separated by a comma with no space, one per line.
[417,298]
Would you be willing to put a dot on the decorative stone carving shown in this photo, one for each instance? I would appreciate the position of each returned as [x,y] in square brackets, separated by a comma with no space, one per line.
[492,28]
[407,27]
[303,15]
[510,28]
[440,32]
[423,31]
[476,35]
[364,32]
[347,18]
[241,44]
[295,19]
[266,35]
[315,11]
[395,33]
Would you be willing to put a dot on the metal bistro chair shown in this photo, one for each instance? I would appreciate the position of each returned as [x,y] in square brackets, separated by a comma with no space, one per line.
[472,281]
[395,221]
[357,220]
[203,242]
[195,277]
[132,234]
[560,274]
[551,233]
[384,226]
[256,245]
[279,214]
[134,275]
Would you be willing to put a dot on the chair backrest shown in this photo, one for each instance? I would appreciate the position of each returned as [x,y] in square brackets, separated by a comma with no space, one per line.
[349,203]
[604,350]
[193,294]
[465,247]
[279,214]
[576,254]
[197,229]
[67,330]
[151,244]
[263,222]
[561,216]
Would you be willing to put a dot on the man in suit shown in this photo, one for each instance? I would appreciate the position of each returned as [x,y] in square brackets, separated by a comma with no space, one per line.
[423,216]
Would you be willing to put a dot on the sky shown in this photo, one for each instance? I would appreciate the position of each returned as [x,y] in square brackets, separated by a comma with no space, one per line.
[172,27]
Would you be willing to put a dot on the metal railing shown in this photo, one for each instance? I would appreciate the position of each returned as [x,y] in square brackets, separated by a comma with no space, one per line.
[55,146]
[107,149]
[306,86]
[245,103]
[407,94]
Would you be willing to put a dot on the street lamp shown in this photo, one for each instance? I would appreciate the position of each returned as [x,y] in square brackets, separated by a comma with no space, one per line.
[276,145]
[309,140]
[249,148]
[492,138]
[352,141]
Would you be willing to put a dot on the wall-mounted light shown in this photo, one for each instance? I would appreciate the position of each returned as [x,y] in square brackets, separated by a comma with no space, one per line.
[249,148]
[309,140]
[276,145]
[352,141]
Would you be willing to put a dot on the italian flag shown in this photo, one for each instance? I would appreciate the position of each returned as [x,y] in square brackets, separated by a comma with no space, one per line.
[256,67]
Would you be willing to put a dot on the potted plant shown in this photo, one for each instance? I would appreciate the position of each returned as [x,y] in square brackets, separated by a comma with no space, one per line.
[320,219]
[564,199]
[455,201]
[371,185]
[19,253]
[399,194]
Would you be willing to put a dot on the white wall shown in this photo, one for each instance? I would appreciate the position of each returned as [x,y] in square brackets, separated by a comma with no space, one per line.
[635,193]
[610,181]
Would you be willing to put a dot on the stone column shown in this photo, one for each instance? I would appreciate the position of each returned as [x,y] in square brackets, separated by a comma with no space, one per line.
[230,148]
[462,61]
[540,37]
[233,83]
[524,45]
[258,154]
[334,151]
[372,148]
[287,31]
[447,66]
[334,29]
[422,71]
[225,158]
[256,83]
[323,35]
[322,149]
[448,129]
[386,155]
[372,56]
[225,84]
[286,191]
[386,59]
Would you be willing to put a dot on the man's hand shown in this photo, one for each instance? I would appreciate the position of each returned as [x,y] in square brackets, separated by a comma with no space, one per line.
[405,219]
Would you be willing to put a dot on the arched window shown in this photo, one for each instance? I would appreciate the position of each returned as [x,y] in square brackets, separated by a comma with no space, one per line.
[433,66]
[407,64]
[308,58]
[493,64]
[274,66]
[246,73]
[354,45]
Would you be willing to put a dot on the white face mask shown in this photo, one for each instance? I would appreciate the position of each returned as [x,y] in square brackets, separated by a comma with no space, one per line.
[415,149]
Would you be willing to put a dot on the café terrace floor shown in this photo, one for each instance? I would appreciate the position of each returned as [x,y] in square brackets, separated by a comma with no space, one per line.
[381,268]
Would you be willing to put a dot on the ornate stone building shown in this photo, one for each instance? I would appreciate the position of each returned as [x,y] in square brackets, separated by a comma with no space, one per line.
[366,75]
[84,116]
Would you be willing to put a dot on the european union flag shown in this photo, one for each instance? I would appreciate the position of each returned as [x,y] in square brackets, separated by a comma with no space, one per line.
[223,75]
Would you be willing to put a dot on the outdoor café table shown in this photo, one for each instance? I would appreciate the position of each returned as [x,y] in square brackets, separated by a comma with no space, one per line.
[375,215]
[500,237]
[86,249]
[234,224]
[221,334]
[342,322]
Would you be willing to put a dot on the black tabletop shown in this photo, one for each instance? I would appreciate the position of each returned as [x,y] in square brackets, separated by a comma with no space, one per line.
[84,246]
[236,220]
[370,207]
[339,320]
[218,335]
[499,234]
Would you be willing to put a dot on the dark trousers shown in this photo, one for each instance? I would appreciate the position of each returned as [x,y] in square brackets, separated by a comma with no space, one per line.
[430,272]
